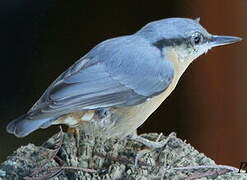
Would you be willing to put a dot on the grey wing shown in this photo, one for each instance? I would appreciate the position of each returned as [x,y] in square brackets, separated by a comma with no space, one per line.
[118,72]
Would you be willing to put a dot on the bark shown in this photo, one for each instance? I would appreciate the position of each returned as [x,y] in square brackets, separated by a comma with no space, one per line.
[63,157]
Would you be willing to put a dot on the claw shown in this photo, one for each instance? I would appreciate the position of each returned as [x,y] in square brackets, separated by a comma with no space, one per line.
[151,145]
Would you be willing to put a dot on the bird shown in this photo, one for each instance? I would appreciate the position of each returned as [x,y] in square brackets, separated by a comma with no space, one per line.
[119,83]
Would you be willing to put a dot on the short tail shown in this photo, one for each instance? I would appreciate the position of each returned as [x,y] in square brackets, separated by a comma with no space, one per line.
[23,125]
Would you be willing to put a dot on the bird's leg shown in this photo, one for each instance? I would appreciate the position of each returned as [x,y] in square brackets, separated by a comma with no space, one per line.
[151,145]
[76,132]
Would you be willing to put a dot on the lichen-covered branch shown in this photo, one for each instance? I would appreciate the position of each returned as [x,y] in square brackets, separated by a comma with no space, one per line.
[62,157]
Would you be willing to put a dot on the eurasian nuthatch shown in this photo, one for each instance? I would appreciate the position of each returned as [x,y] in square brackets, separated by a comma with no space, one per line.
[118,84]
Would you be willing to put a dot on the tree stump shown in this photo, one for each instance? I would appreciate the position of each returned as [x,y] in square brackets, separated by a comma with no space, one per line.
[62,157]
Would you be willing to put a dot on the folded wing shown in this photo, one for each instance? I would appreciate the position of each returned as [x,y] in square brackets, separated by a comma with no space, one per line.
[117,72]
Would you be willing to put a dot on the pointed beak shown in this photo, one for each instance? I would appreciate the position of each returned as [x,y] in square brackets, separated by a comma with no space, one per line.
[223,40]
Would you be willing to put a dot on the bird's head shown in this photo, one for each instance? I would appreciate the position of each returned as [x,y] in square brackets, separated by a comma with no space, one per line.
[186,36]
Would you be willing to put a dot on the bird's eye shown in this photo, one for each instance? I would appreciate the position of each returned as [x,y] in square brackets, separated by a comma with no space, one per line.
[197,38]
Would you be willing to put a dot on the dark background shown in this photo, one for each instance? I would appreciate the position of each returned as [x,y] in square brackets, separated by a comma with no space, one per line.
[40,39]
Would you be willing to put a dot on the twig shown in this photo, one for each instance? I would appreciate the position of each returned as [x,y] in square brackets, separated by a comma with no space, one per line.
[212,170]
[209,173]
[122,160]
[230,168]
[57,146]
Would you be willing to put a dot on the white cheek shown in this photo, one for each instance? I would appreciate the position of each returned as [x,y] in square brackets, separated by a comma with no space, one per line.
[183,53]
[203,49]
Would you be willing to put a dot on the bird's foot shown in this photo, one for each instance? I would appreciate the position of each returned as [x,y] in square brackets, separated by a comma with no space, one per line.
[151,145]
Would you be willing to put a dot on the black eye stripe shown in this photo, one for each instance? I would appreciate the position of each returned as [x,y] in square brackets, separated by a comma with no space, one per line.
[168,42]
[164,42]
